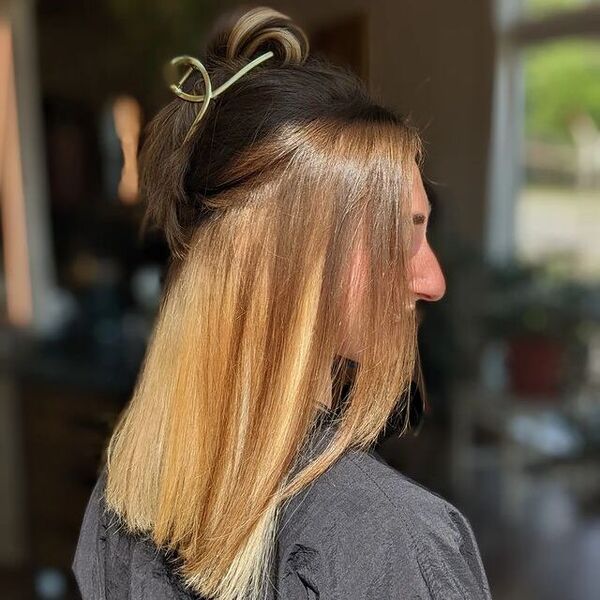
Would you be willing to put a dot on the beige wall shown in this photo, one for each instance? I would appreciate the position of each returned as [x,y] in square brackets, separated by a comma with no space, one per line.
[434,60]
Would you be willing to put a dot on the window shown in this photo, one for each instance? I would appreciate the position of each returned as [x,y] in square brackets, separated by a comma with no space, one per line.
[558,204]
[538,8]
[544,199]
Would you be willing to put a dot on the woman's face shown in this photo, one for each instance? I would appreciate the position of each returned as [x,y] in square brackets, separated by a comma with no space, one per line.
[426,277]
[425,274]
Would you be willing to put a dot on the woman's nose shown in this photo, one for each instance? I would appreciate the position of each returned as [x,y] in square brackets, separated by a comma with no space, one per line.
[428,281]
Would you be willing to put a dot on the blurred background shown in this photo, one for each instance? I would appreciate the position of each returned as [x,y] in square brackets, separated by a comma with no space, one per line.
[507,96]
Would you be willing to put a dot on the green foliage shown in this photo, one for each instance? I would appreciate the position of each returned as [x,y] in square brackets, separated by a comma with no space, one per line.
[562,79]
[525,298]
[542,7]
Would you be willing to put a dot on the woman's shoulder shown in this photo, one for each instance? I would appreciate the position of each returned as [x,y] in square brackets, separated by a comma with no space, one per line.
[365,530]
[111,563]
[361,530]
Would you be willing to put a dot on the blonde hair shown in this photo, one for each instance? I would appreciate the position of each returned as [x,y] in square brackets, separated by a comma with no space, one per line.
[291,169]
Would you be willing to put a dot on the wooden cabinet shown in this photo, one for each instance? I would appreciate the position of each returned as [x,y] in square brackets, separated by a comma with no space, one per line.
[65,432]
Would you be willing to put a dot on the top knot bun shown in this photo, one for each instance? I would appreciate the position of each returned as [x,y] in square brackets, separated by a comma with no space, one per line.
[252,32]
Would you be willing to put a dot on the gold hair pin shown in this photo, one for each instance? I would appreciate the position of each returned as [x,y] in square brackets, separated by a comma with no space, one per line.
[195,65]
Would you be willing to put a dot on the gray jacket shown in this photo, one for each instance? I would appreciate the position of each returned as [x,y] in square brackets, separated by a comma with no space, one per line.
[361,531]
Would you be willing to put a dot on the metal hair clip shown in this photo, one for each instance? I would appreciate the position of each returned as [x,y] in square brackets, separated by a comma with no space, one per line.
[195,64]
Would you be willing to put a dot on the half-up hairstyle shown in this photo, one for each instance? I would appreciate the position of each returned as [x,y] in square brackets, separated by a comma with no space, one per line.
[292,172]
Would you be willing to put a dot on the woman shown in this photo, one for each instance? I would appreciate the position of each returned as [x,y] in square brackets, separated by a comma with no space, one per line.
[243,467]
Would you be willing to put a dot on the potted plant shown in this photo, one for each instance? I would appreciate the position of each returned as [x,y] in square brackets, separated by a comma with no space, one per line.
[540,320]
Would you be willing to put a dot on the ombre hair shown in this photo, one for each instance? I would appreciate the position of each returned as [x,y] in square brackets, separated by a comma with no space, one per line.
[292,171]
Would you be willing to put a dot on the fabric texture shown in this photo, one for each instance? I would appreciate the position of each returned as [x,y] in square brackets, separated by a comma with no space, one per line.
[361,531]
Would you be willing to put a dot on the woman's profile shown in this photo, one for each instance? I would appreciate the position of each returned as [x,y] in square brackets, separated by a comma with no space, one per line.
[243,466]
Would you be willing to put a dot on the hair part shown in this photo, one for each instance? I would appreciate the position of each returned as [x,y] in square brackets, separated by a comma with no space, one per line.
[289,172]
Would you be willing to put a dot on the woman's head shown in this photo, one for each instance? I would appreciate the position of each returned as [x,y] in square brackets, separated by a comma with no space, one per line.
[296,144]
[292,176]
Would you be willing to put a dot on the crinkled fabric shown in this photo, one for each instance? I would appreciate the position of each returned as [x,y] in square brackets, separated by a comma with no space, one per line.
[110,564]
[360,531]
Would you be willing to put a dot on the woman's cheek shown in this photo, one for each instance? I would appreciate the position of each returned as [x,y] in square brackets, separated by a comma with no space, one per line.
[415,241]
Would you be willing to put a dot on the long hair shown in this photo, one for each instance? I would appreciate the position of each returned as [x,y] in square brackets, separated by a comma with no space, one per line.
[292,171]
